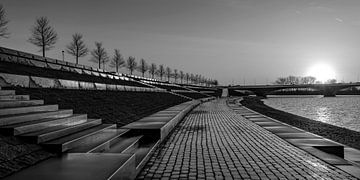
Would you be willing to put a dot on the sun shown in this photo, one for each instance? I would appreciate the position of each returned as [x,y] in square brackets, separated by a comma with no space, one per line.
[322,72]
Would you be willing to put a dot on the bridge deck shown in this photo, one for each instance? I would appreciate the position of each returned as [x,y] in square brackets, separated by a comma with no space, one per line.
[214,142]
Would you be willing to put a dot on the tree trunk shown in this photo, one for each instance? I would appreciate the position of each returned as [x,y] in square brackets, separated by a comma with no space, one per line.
[43,50]
[77,60]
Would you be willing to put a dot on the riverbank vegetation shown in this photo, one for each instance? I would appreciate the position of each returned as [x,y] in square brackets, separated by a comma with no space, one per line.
[335,133]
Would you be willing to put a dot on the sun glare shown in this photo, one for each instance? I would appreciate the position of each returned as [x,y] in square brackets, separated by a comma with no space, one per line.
[322,72]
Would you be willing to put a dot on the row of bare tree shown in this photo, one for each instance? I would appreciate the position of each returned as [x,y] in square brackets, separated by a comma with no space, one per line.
[292,80]
[45,37]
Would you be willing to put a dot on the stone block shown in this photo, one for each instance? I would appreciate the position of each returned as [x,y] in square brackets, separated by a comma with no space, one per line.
[61,62]
[120,87]
[14,80]
[100,86]
[267,124]
[87,72]
[304,135]
[282,129]
[111,87]
[9,58]
[54,66]
[26,55]
[43,82]
[70,64]
[325,145]
[353,170]
[86,85]
[77,70]
[10,51]
[69,84]
[87,68]
[80,66]
[51,60]
[41,64]
[65,68]
[103,75]
[95,73]
[352,154]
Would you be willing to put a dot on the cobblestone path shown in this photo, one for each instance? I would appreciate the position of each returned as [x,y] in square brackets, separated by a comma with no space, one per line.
[213,142]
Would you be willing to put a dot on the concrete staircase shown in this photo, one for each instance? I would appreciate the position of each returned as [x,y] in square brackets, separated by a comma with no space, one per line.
[87,148]
[62,131]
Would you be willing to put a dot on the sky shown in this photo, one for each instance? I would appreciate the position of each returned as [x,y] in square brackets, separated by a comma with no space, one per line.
[233,41]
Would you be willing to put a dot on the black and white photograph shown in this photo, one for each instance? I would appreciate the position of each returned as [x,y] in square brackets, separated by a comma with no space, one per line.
[180,89]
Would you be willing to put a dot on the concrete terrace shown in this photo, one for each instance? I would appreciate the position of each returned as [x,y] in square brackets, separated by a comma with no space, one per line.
[215,142]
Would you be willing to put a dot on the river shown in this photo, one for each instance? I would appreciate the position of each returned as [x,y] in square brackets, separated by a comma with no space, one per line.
[342,111]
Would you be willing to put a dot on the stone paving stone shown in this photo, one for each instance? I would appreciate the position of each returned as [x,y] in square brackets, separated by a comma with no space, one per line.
[214,142]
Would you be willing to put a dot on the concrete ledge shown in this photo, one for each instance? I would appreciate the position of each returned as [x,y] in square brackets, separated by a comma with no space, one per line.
[336,154]
[78,166]
[8,80]
[163,122]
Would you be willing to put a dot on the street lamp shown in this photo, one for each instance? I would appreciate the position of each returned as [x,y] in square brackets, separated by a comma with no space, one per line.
[63,55]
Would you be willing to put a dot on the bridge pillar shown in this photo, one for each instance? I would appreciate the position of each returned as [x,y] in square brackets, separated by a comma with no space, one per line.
[330,91]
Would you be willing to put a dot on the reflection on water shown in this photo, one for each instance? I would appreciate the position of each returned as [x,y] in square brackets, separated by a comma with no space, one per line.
[341,111]
[323,114]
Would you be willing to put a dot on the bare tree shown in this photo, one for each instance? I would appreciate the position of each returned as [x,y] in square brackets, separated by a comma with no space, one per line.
[152,70]
[77,47]
[295,80]
[331,81]
[187,77]
[131,64]
[176,74]
[117,61]
[43,35]
[168,73]
[3,23]
[182,75]
[192,78]
[161,71]
[99,55]
[143,67]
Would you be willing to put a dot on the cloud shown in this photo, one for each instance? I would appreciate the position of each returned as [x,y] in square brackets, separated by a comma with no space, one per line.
[339,20]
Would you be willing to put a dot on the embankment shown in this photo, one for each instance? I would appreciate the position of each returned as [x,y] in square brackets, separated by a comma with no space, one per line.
[338,134]
[119,107]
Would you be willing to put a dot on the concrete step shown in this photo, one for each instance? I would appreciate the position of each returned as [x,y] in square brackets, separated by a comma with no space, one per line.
[77,139]
[7,92]
[143,153]
[21,110]
[14,97]
[59,131]
[81,166]
[18,118]
[37,125]
[21,103]
[121,145]
[99,140]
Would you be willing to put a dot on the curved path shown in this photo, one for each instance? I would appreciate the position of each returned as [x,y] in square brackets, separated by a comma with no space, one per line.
[213,142]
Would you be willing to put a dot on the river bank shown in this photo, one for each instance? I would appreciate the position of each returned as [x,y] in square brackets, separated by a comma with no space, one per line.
[335,133]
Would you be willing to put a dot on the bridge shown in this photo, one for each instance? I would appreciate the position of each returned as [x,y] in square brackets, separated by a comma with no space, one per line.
[328,90]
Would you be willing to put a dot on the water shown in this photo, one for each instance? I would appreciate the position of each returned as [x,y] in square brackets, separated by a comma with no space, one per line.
[342,111]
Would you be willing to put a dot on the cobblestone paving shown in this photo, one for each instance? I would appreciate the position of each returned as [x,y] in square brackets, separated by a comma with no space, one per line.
[213,142]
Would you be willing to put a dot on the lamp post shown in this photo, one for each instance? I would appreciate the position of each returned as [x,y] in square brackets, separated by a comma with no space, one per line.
[63,58]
